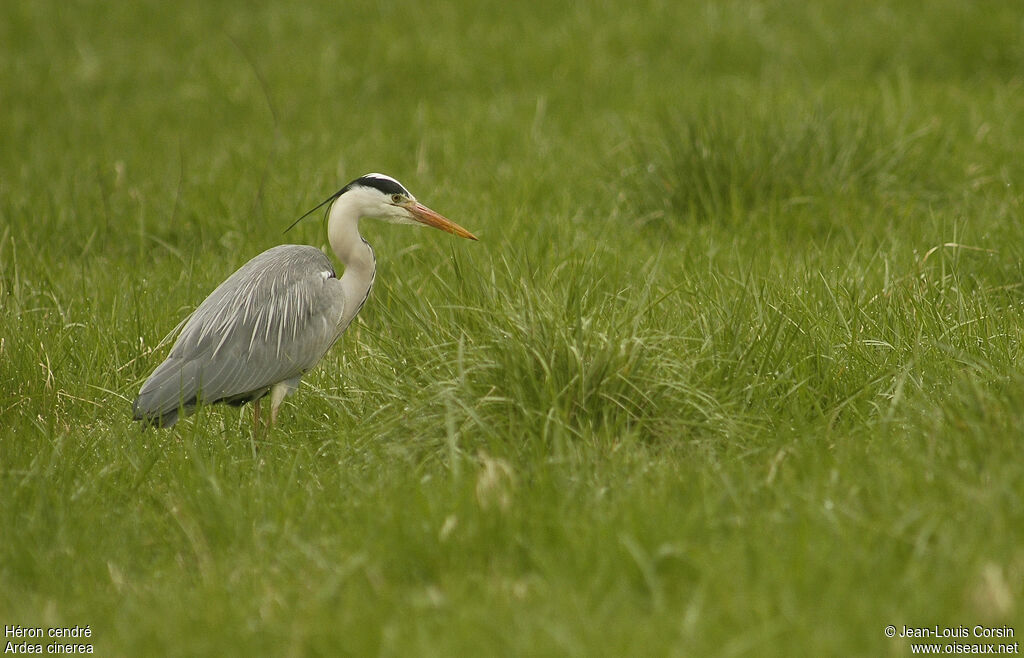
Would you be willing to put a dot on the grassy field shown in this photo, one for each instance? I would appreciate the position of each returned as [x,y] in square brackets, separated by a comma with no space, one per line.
[734,370]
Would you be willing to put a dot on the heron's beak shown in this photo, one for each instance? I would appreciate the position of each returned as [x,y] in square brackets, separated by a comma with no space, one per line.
[425,215]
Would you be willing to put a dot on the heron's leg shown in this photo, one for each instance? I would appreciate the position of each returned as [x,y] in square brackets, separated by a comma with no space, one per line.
[257,417]
[277,394]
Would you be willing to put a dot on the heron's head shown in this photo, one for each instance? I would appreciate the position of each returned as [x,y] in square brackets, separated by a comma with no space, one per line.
[378,196]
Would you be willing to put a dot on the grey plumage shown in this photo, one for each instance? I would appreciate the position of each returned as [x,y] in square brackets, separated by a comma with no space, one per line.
[269,322]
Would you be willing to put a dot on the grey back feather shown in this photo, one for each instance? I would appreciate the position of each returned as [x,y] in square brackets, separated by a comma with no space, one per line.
[270,321]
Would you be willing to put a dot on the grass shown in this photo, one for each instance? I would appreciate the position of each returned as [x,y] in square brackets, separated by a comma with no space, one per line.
[734,370]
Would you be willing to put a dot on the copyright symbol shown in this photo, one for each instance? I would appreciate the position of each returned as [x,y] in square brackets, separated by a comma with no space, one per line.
[890,631]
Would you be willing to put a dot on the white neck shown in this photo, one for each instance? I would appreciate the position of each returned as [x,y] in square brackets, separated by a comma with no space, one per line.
[354,253]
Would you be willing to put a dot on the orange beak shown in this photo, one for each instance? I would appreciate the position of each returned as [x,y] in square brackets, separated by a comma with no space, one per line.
[425,215]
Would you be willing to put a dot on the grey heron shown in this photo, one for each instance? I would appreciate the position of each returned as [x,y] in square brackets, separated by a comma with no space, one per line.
[272,320]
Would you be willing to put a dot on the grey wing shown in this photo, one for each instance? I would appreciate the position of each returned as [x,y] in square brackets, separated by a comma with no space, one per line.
[270,321]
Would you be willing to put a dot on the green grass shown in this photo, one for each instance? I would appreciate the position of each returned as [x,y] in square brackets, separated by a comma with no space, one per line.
[735,368]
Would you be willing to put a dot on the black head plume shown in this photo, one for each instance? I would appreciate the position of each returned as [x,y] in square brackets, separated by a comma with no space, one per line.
[385,184]
[318,207]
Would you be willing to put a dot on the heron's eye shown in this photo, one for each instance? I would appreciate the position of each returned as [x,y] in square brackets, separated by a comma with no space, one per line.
[397,198]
